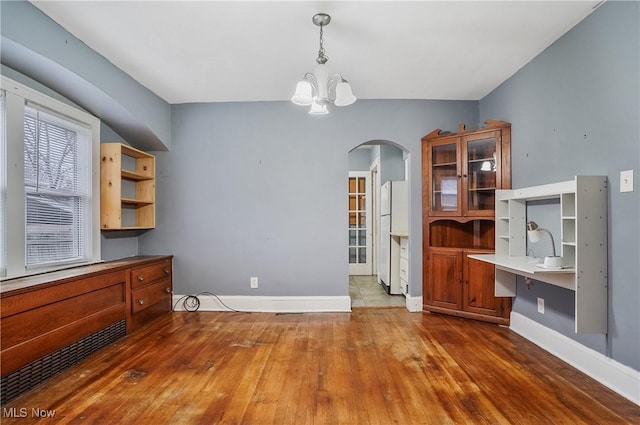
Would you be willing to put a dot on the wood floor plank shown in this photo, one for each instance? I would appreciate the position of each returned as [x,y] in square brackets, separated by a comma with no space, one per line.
[368,367]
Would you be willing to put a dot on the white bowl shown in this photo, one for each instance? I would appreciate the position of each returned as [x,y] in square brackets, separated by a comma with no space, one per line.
[553,262]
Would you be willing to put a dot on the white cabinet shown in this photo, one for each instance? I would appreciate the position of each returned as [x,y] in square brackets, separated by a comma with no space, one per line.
[583,232]
[404,265]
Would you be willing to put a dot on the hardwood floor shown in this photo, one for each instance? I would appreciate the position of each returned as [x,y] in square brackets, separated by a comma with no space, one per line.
[372,366]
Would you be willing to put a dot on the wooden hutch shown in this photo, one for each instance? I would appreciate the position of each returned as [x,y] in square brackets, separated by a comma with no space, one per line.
[460,174]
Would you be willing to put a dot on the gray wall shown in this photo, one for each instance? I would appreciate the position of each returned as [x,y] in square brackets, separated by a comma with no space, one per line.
[360,159]
[575,110]
[258,189]
[391,164]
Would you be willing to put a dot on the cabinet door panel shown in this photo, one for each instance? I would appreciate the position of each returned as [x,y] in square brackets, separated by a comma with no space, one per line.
[478,288]
[445,278]
[481,172]
[444,177]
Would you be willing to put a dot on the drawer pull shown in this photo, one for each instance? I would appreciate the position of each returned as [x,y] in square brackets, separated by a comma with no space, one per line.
[140,277]
[167,290]
[167,271]
[140,301]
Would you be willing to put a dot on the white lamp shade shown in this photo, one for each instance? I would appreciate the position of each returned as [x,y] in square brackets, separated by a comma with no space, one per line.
[344,95]
[533,232]
[534,235]
[304,94]
[318,109]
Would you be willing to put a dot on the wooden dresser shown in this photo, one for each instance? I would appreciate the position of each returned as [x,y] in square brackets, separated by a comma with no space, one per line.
[49,317]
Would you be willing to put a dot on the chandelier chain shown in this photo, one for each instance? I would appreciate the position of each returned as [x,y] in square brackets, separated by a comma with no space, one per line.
[322,58]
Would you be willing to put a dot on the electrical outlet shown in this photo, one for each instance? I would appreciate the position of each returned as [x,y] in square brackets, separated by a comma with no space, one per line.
[254,282]
[541,305]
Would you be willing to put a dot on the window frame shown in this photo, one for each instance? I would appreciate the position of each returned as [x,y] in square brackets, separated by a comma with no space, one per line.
[17,97]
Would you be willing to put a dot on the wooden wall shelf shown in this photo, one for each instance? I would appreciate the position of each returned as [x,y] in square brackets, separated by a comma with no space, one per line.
[127,182]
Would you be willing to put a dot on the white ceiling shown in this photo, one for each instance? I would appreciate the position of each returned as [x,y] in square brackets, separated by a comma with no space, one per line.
[219,51]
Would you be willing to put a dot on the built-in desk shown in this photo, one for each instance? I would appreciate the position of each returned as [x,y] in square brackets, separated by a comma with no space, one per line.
[528,267]
[583,245]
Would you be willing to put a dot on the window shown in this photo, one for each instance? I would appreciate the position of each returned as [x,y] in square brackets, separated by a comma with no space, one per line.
[56,160]
[50,213]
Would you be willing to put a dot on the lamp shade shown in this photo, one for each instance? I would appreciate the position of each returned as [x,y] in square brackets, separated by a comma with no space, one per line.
[318,109]
[304,94]
[532,232]
[344,95]
[534,235]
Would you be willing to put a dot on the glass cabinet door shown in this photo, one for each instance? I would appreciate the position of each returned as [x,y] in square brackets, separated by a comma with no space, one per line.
[445,181]
[481,169]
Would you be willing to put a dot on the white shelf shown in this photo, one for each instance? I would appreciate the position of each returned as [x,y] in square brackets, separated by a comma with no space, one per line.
[583,217]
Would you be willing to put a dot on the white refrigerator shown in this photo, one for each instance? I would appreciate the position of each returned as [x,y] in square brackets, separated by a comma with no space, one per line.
[394,218]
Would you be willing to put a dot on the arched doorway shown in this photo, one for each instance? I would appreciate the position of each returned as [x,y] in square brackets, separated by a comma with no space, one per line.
[375,168]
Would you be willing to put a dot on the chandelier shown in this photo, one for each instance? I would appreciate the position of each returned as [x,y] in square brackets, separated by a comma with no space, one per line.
[318,89]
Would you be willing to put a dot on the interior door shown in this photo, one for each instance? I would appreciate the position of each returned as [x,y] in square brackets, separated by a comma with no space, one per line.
[360,262]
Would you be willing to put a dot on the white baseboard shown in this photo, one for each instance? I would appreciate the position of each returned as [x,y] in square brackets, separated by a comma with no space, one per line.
[414,304]
[620,378]
[268,304]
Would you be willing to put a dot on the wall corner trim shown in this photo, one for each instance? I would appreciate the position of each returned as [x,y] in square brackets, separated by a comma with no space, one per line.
[610,373]
[263,304]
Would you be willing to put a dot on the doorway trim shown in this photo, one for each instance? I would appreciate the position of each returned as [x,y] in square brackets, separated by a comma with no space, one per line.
[375,214]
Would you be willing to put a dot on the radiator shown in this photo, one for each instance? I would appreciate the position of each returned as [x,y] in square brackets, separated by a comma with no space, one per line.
[35,373]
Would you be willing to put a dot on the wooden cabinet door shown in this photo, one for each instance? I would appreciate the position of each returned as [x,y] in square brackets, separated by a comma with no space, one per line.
[443,177]
[478,295]
[481,165]
[445,278]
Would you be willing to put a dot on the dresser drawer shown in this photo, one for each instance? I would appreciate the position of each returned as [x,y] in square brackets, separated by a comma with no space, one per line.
[404,248]
[144,275]
[147,296]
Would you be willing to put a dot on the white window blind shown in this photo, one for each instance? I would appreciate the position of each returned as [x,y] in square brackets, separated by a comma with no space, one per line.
[3,187]
[57,179]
